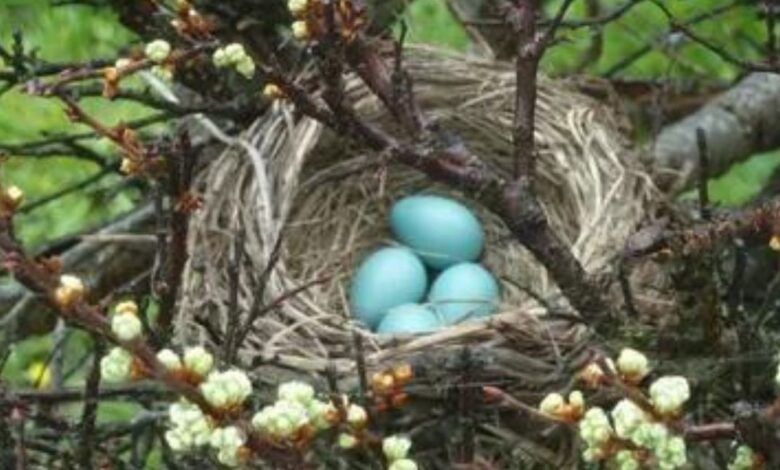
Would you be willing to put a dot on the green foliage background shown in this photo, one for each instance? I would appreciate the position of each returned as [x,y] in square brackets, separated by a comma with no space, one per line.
[74,33]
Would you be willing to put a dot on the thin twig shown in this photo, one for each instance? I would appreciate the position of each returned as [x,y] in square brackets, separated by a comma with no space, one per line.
[91,402]
[704,174]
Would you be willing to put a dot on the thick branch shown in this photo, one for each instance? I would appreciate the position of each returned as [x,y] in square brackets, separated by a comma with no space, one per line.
[741,122]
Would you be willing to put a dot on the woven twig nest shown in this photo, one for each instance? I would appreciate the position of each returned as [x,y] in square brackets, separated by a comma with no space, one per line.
[328,199]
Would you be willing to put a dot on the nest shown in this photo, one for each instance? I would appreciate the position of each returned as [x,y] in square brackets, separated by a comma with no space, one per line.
[312,204]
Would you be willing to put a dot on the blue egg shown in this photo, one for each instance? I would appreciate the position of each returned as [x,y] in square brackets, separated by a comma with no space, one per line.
[464,291]
[409,319]
[388,278]
[443,232]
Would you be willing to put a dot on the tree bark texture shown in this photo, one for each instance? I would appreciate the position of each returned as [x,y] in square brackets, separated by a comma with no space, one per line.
[741,122]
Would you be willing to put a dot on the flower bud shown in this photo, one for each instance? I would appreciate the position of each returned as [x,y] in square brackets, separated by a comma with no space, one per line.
[122,63]
[625,460]
[198,361]
[13,196]
[169,359]
[220,58]
[403,373]
[246,67]
[627,417]
[595,428]
[226,389]
[163,73]
[669,393]
[158,50]
[116,366]
[297,392]
[347,441]
[128,166]
[403,464]
[382,382]
[191,428]
[322,414]
[227,437]
[272,91]
[356,415]
[744,459]
[552,404]
[126,326]
[577,400]
[672,453]
[300,30]
[70,291]
[396,447]
[234,53]
[633,365]
[593,376]
[128,306]
[297,7]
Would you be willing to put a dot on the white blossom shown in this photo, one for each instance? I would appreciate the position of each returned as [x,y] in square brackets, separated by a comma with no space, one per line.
[744,459]
[246,67]
[595,428]
[321,414]
[13,195]
[347,441]
[671,454]
[295,391]
[625,460]
[163,73]
[650,435]
[282,419]
[633,364]
[169,359]
[191,428]
[403,464]
[577,399]
[356,415]
[669,393]
[552,404]
[70,290]
[116,365]
[225,389]
[396,447]
[198,361]
[297,7]
[126,326]
[300,30]
[158,50]
[128,306]
[627,417]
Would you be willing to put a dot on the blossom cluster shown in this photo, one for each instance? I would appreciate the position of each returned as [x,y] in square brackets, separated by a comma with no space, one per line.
[396,450]
[629,436]
[212,419]
[234,55]
[300,28]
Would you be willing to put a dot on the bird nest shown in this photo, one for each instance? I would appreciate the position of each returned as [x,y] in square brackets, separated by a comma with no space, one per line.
[311,204]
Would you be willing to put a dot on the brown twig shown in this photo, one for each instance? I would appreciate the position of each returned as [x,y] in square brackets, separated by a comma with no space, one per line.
[91,402]
[180,163]
[757,224]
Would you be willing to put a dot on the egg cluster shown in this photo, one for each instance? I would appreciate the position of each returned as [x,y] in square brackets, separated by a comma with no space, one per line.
[440,239]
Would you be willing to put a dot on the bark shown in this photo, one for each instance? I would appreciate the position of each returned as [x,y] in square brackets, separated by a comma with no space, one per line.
[739,123]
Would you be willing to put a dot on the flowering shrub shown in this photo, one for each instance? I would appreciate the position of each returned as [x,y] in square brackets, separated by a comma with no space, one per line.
[640,431]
